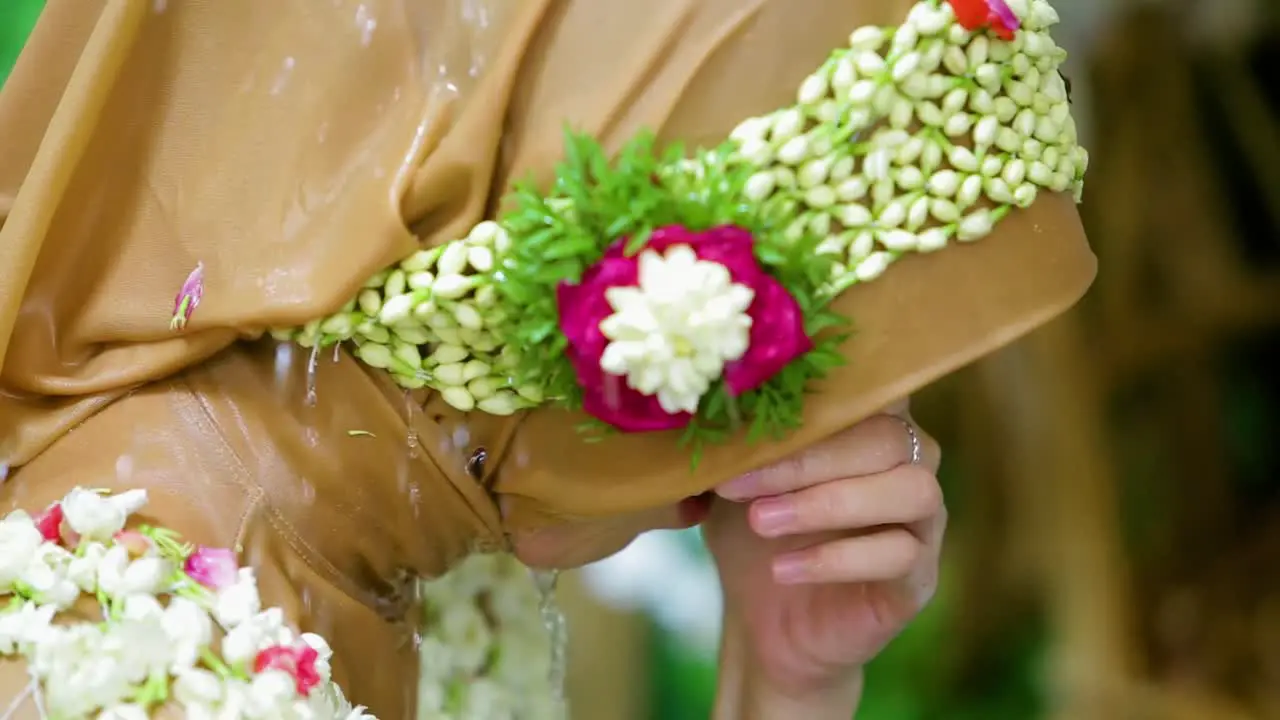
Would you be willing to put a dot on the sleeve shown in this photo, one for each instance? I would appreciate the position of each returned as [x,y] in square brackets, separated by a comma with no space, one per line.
[692,70]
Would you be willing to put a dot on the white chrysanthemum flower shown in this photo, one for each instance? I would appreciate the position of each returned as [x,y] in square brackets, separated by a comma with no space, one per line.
[672,335]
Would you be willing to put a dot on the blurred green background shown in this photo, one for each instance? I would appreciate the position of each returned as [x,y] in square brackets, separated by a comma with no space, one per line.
[1115,541]
[17,17]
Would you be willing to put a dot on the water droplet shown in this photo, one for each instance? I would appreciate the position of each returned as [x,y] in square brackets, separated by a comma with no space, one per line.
[284,360]
[411,439]
[312,363]
[461,436]
[124,468]
[282,77]
[366,23]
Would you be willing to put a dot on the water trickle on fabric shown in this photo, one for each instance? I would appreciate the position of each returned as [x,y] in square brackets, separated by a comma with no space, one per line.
[557,626]
[411,437]
[313,363]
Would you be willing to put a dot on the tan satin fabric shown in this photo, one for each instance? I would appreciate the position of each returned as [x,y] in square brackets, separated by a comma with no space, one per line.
[290,146]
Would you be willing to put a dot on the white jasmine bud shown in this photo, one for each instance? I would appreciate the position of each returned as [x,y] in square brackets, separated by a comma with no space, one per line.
[873,266]
[786,125]
[759,186]
[974,226]
[867,38]
[1024,195]
[968,194]
[944,183]
[854,215]
[813,89]
[898,240]
[794,151]
[944,211]
[957,125]
[1014,172]
[931,240]
[893,215]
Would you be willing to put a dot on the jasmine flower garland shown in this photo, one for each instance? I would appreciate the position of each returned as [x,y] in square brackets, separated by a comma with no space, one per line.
[611,290]
[163,605]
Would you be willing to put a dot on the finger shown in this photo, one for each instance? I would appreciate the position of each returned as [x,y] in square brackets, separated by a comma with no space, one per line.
[889,554]
[904,495]
[921,583]
[872,446]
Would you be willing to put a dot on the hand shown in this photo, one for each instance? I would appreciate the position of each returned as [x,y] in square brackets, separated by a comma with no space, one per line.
[826,556]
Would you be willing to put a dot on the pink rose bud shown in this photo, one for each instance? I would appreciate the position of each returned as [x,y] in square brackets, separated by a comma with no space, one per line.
[214,568]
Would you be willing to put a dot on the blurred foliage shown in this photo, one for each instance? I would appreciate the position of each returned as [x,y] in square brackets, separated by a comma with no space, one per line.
[17,17]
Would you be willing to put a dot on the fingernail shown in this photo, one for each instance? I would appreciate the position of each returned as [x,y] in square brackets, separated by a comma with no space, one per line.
[790,569]
[773,516]
[743,486]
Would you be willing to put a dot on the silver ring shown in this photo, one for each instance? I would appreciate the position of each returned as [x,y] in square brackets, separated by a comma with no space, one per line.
[917,448]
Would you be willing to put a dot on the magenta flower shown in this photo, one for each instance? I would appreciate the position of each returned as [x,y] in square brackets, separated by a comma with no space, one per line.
[214,568]
[777,325]
[188,298]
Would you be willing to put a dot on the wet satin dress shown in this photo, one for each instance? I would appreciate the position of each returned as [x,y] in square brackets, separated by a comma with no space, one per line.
[295,148]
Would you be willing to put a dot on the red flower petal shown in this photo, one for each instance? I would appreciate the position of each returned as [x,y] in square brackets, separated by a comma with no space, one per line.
[971,14]
[299,662]
[777,337]
[49,523]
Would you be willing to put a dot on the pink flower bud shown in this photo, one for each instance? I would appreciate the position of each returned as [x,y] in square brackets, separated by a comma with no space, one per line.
[135,542]
[214,568]
[188,298]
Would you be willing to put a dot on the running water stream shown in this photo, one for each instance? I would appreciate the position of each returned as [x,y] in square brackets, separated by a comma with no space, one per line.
[554,621]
